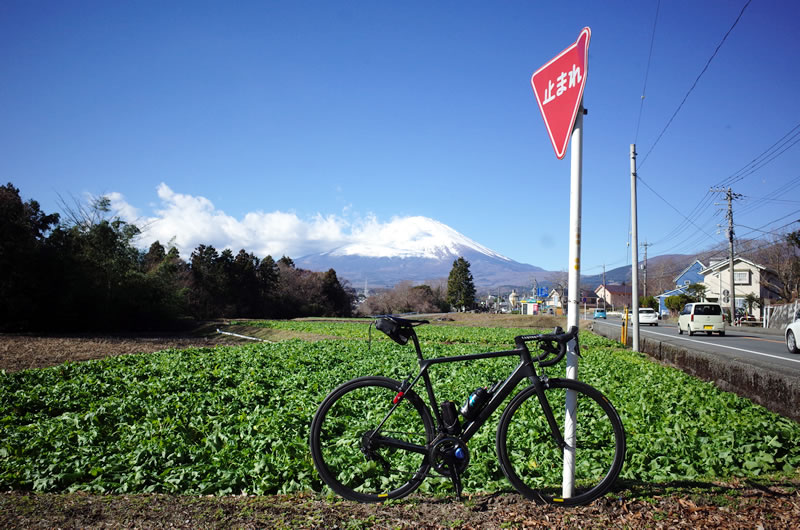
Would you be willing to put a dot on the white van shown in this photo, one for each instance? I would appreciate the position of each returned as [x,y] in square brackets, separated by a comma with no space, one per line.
[701,316]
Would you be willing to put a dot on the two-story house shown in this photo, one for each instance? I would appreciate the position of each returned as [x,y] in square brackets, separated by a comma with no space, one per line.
[616,296]
[748,278]
[560,298]
[687,276]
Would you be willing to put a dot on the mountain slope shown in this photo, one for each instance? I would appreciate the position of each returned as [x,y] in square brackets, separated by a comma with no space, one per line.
[418,249]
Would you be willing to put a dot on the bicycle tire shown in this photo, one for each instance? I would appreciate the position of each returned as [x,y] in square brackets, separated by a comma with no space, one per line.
[337,440]
[531,459]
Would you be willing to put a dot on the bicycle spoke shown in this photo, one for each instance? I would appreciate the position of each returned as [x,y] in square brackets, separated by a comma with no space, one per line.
[535,464]
[359,463]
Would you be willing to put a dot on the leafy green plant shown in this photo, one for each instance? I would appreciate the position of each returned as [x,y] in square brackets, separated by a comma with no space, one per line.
[236,419]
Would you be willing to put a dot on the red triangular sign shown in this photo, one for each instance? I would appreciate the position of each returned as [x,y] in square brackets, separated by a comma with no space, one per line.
[558,87]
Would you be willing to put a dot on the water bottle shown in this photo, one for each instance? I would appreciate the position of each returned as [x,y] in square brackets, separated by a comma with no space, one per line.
[475,403]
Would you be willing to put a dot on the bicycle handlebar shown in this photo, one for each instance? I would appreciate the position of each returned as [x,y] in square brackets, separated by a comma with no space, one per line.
[546,341]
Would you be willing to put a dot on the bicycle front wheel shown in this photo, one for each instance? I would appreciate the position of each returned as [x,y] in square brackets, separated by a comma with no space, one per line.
[363,452]
[534,463]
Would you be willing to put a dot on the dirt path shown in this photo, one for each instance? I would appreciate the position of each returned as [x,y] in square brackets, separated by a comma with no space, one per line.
[710,506]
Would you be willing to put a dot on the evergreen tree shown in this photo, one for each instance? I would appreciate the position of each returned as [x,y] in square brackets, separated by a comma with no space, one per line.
[245,288]
[23,276]
[168,285]
[206,282]
[460,287]
[154,256]
[268,277]
[336,299]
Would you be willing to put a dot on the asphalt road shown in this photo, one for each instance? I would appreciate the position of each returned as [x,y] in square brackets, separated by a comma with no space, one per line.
[756,346]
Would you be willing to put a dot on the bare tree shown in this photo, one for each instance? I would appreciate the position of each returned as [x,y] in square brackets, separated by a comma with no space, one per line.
[783,258]
[403,298]
[661,277]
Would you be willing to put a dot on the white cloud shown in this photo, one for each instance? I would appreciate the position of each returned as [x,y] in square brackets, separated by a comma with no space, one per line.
[190,220]
[122,208]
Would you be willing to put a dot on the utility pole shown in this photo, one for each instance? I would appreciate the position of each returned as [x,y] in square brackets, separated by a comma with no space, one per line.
[730,197]
[645,245]
[604,287]
[634,255]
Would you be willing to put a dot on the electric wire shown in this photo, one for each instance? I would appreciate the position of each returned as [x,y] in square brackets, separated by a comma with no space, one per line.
[700,207]
[760,228]
[783,190]
[752,166]
[703,71]
[703,201]
[671,206]
[769,200]
[755,164]
[771,232]
[647,73]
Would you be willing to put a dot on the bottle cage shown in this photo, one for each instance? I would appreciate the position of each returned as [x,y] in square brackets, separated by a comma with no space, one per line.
[396,332]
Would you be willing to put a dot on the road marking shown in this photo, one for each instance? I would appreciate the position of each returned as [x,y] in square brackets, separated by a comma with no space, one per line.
[759,338]
[723,346]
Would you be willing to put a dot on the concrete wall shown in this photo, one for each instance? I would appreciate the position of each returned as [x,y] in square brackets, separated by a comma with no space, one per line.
[773,390]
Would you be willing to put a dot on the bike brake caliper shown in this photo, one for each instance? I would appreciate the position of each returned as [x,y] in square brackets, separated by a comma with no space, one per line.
[403,389]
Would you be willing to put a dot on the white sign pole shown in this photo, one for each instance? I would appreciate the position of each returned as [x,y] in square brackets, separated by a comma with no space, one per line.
[573,318]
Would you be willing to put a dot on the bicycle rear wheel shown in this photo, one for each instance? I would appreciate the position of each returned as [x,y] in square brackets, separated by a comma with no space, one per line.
[533,462]
[359,463]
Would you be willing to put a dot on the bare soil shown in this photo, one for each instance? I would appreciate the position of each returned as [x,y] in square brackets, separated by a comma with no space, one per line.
[683,506]
[763,504]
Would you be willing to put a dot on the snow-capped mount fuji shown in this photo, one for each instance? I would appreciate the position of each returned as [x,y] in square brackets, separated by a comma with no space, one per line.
[417,249]
[413,237]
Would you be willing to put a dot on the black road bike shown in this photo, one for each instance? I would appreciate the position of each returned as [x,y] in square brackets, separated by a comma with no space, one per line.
[374,438]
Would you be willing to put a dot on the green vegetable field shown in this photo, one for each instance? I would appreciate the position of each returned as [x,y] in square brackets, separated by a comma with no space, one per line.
[227,420]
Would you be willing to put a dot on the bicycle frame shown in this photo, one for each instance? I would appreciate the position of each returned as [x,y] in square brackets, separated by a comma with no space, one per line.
[524,369]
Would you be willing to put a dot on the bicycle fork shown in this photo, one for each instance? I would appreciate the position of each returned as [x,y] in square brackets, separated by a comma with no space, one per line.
[540,383]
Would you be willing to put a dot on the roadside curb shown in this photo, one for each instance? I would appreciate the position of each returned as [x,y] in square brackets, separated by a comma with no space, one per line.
[772,389]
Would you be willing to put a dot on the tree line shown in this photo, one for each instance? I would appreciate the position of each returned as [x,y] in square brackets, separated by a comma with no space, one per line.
[406,297]
[85,273]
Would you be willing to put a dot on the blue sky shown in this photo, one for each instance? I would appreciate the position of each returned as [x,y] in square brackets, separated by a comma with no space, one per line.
[285,127]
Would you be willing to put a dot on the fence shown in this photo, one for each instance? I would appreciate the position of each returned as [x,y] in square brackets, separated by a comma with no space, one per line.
[779,316]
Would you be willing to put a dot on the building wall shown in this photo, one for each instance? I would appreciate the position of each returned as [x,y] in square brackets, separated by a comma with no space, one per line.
[718,281]
[614,299]
[692,275]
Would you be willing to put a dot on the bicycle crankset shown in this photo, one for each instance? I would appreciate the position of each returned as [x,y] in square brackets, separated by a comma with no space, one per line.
[449,456]
[448,452]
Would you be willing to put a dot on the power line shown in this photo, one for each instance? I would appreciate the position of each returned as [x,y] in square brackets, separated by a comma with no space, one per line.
[779,192]
[699,208]
[753,166]
[671,206]
[698,238]
[703,71]
[770,200]
[646,73]
[763,163]
[759,229]
[771,232]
